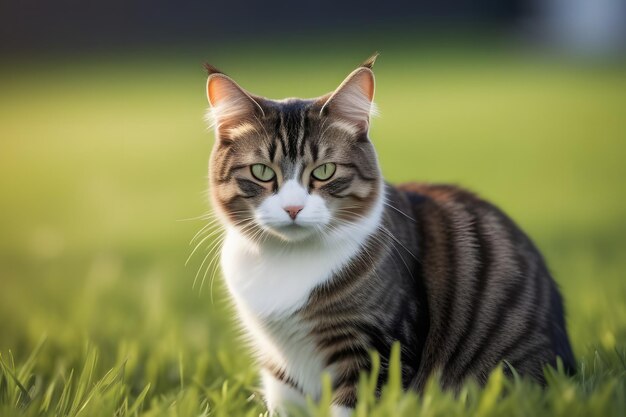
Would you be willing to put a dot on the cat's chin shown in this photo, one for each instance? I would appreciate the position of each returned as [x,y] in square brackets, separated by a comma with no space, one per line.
[294,233]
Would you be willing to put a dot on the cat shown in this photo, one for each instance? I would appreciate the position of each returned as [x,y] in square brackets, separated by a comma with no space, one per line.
[326,262]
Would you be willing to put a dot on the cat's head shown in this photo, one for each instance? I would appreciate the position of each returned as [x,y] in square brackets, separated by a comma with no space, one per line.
[293,169]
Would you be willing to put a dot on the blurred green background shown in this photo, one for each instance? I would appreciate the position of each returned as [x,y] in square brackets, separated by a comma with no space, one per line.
[103,165]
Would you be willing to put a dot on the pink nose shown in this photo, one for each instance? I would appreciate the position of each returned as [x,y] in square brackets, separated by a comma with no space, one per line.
[293,211]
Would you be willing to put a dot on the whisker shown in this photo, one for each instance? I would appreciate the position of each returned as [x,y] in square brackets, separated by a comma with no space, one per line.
[388,233]
[204,239]
[200,217]
[215,246]
[205,227]
[399,211]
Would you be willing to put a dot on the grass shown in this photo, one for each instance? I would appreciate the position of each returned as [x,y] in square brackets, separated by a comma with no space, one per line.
[100,158]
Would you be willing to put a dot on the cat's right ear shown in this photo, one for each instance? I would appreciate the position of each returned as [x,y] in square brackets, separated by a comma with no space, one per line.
[230,104]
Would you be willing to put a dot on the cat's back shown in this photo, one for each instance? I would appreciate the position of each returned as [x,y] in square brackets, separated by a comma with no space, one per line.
[490,295]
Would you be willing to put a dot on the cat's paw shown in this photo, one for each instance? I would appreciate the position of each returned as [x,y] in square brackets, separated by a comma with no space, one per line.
[340,411]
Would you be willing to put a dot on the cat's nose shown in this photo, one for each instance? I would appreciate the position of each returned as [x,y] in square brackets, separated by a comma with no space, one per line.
[293,211]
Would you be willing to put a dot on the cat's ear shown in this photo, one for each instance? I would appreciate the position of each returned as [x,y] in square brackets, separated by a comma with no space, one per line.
[352,101]
[230,104]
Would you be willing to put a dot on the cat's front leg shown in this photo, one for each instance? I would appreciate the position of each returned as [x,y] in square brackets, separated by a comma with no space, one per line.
[341,411]
[279,395]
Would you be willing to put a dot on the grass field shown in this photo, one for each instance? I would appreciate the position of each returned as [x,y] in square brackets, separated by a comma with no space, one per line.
[102,158]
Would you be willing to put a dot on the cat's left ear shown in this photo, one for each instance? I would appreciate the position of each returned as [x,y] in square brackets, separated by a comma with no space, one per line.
[352,101]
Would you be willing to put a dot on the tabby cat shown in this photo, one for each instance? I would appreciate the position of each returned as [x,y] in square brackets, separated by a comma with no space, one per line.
[325,261]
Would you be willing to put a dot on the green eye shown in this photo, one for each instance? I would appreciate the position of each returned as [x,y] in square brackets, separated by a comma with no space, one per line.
[262,172]
[324,172]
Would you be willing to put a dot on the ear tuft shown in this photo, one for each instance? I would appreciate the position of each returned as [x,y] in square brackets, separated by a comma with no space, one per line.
[230,104]
[210,69]
[369,62]
[352,100]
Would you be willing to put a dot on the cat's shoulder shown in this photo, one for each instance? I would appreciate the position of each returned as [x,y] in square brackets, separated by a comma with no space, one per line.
[429,199]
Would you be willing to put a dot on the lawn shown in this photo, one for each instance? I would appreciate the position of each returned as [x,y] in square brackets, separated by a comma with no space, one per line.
[103,162]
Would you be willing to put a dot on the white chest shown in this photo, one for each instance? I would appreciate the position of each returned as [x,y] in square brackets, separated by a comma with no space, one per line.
[277,280]
[268,286]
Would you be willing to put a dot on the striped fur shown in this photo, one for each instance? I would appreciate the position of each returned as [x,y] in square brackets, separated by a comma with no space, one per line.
[366,264]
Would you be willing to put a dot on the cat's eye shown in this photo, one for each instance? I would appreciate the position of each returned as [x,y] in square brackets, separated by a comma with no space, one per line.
[262,172]
[324,172]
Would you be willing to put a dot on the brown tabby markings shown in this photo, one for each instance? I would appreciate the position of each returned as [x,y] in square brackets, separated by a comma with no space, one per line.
[446,273]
